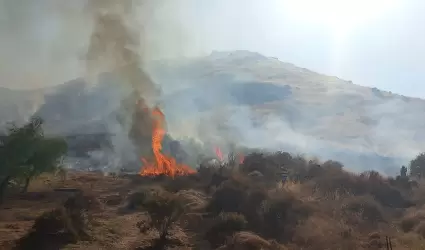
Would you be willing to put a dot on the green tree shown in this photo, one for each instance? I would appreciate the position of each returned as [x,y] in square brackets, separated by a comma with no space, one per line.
[25,152]
[47,157]
[417,166]
[15,149]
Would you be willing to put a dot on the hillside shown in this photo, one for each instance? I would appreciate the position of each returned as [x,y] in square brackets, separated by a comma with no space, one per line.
[261,101]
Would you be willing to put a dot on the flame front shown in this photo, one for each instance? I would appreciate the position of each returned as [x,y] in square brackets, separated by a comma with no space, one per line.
[162,164]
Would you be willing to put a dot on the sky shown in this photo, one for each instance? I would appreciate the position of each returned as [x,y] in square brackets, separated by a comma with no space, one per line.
[373,43]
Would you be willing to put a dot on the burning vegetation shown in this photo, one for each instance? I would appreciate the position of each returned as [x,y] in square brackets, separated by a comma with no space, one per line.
[161,163]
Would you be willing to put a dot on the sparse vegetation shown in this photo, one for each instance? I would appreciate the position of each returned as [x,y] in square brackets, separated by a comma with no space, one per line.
[320,206]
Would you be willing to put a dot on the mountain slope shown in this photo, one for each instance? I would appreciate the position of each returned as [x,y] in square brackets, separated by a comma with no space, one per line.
[254,100]
[319,107]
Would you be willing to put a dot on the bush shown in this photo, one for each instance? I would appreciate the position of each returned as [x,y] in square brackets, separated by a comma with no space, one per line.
[59,227]
[228,198]
[252,207]
[370,210]
[261,163]
[164,210]
[281,213]
[225,225]
[420,229]
[343,183]
[367,183]
[183,182]
[410,221]
[138,199]
[251,241]
[407,224]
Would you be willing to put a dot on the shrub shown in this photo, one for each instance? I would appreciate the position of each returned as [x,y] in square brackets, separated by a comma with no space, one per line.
[334,166]
[407,224]
[252,207]
[137,199]
[193,200]
[410,221]
[343,183]
[61,226]
[182,182]
[367,183]
[322,232]
[375,241]
[367,207]
[420,229]
[250,241]
[164,210]
[281,213]
[261,163]
[228,198]
[225,225]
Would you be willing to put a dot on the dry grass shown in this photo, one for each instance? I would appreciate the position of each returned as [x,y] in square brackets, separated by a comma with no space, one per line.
[318,208]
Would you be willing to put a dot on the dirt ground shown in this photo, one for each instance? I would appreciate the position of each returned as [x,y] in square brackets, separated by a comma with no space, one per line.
[110,229]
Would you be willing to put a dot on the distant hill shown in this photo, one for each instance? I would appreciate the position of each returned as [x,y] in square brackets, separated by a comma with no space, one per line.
[264,102]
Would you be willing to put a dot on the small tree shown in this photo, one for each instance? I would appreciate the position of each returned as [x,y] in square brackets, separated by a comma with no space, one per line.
[15,150]
[25,153]
[47,157]
[164,209]
[417,166]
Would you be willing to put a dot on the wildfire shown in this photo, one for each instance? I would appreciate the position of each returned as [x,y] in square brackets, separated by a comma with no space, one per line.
[239,157]
[161,164]
[219,154]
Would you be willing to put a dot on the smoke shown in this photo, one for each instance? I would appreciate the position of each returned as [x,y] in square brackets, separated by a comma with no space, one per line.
[116,46]
[49,42]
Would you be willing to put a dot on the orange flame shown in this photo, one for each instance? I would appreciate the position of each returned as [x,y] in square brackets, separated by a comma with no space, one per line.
[241,158]
[162,164]
[218,153]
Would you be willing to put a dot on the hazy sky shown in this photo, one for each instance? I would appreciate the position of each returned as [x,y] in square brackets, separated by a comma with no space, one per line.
[374,43]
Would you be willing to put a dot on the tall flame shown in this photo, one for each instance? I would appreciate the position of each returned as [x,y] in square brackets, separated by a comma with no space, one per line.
[219,154]
[162,164]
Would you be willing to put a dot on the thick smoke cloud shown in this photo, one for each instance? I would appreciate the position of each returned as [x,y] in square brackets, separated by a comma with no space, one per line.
[116,46]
